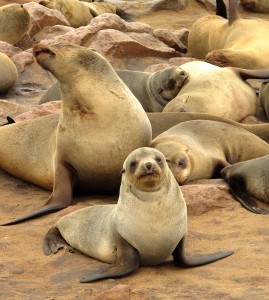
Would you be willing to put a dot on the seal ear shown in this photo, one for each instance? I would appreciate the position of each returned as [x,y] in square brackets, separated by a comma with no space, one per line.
[168,160]
[160,90]
[122,171]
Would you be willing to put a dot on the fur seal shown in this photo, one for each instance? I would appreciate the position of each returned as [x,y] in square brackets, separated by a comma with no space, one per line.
[247,179]
[264,97]
[75,12]
[234,42]
[153,90]
[260,6]
[8,74]
[217,91]
[14,23]
[201,149]
[86,145]
[148,223]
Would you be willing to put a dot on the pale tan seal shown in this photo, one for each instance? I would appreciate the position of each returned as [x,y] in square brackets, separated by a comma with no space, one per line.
[153,90]
[201,149]
[14,23]
[234,42]
[249,179]
[217,91]
[96,130]
[148,223]
[8,74]
[261,6]
[75,12]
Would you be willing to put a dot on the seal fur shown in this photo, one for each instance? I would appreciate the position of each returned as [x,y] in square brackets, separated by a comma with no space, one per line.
[148,223]
[88,146]
[8,74]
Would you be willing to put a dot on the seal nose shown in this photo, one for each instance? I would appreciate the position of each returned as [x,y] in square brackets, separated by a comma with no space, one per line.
[148,165]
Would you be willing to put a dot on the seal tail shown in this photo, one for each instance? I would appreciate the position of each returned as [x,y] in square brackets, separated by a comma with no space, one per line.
[35,214]
[221,9]
[239,191]
[198,260]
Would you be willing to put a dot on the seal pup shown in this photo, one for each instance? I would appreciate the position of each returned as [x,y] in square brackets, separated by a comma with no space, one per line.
[153,90]
[249,179]
[86,145]
[200,149]
[260,6]
[148,224]
[8,74]
[217,91]
[14,23]
[76,13]
[234,42]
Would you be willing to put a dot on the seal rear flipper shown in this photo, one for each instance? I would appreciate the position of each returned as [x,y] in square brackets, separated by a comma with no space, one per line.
[127,261]
[53,242]
[239,191]
[198,260]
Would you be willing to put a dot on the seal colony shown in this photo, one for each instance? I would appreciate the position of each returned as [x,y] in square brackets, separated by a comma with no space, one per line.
[217,91]
[234,42]
[148,223]
[96,131]
[152,90]
[201,149]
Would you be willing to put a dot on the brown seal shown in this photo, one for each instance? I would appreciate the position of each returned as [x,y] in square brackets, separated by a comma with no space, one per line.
[14,23]
[153,90]
[234,42]
[8,74]
[261,6]
[146,226]
[201,149]
[85,147]
[217,91]
[249,179]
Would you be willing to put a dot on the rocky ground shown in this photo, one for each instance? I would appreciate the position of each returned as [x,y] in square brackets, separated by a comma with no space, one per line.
[216,222]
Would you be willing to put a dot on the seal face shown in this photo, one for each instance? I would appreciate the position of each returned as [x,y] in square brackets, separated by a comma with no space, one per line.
[147,224]
[68,155]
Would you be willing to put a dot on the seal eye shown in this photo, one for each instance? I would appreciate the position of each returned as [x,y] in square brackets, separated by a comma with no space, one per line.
[133,164]
[171,83]
[158,160]
[182,163]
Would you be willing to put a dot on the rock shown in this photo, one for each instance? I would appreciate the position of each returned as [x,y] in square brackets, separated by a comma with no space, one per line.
[170,39]
[182,34]
[22,59]
[8,49]
[42,17]
[11,109]
[118,292]
[51,32]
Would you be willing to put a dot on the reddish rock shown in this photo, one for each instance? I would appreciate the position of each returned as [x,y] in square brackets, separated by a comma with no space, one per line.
[170,39]
[8,49]
[22,59]
[42,17]
[182,35]
[51,32]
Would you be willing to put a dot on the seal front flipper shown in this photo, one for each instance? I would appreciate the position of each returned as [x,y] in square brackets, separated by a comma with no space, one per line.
[127,261]
[9,121]
[184,261]
[239,191]
[60,198]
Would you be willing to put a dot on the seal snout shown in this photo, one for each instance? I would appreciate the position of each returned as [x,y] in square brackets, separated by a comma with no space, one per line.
[42,49]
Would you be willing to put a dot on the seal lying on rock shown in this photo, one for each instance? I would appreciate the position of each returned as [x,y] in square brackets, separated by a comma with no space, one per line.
[148,224]
[217,91]
[8,74]
[153,90]
[14,23]
[97,128]
[201,149]
[247,179]
[234,42]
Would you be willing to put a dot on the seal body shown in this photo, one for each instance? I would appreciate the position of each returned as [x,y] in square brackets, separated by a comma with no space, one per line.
[214,90]
[97,128]
[153,90]
[200,149]
[264,97]
[261,6]
[9,74]
[14,23]
[75,12]
[234,42]
[143,228]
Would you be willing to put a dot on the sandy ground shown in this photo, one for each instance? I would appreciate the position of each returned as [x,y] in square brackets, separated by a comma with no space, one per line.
[25,273]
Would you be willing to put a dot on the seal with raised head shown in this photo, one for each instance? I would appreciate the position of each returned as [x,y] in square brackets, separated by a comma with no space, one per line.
[85,146]
[148,223]
[201,149]
[8,74]
[14,23]
[76,13]
[153,90]
[217,91]
[235,42]
[249,179]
